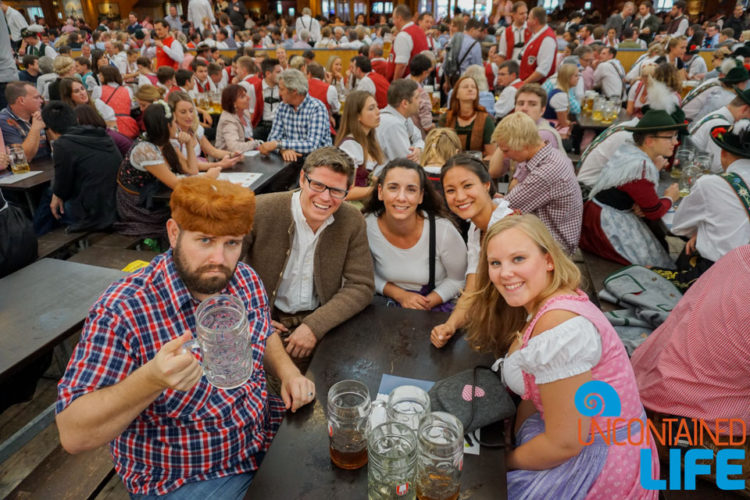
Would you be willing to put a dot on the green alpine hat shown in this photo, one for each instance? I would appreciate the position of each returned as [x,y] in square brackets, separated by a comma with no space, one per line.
[743,94]
[736,142]
[656,120]
[735,75]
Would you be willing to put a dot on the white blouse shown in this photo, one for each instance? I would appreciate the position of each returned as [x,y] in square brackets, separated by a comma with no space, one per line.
[145,154]
[357,154]
[182,148]
[571,348]
[409,268]
[474,241]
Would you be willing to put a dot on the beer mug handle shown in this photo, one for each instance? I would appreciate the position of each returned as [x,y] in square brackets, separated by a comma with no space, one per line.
[377,416]
[192,346]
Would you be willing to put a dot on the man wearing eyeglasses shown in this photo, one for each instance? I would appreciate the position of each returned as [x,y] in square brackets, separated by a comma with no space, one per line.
[310,250]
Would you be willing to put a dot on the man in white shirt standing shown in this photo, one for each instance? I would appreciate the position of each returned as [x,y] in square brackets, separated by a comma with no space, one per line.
[510,49]
[609,75]
[410,41]
[306,22]
[197,10]
[397,134]
[538,56]
[16,22]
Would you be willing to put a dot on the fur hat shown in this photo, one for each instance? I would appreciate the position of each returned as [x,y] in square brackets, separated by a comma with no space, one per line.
[212,207]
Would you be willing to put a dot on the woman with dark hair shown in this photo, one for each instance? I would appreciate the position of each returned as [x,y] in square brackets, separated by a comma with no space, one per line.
[469,192]
[471,121]
[419,256]
[87,115]
[356,137]
[152,165]
[99,59]
[234,131]
[73,93]
[119,97]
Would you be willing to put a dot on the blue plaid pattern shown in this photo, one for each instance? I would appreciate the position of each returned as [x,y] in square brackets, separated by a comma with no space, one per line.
[304,130]
[181,437]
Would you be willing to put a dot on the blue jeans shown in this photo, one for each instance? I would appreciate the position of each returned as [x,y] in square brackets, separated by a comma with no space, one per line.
[224,488]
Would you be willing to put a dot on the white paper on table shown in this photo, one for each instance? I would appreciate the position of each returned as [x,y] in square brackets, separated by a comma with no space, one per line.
[251,153]
[10,179]
[389,382]
[244,179]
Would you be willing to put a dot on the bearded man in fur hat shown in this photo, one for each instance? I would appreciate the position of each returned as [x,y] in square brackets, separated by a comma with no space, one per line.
[132,384]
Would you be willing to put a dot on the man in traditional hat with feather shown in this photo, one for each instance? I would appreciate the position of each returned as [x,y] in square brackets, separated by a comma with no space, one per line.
[623,201]
[700,131]
[601,149]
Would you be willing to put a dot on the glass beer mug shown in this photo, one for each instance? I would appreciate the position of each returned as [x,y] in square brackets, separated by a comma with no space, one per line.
[223,339]
[391,472]
[407,404]
[440,457]
[18,162]
[349,408]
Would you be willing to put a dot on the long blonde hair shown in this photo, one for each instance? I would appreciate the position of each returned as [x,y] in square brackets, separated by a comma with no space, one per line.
[493,324]
[179,96]
[440,145]
[564,73]
[350,126]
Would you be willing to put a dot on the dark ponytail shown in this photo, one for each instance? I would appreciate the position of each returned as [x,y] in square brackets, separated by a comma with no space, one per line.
[157,132]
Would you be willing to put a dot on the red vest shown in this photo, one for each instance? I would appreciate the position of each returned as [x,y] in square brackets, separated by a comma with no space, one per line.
[319,90]
[118,99]
[530,53]
[162,59]
[380,66]
[490,75]
[381,88]
[419,44]
[256,84]
[200,88]
[510,40]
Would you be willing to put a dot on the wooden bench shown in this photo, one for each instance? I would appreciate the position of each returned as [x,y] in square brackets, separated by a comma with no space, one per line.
[113,258]
[56,242]
[114,240]
[62,475]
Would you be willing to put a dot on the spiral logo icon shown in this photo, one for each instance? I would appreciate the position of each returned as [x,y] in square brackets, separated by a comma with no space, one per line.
[598,399]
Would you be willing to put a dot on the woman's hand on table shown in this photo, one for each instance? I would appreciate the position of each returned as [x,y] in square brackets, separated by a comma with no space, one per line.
[267,147]
[441,334]
[213,172]
[229,160]
[412,300]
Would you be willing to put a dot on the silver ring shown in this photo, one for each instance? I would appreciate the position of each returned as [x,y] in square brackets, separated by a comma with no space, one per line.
[310,394]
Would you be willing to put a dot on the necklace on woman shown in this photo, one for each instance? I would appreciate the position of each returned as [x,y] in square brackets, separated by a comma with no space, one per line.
[467,117]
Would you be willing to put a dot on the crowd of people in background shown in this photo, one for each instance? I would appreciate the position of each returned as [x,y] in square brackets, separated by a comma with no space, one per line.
[399,140]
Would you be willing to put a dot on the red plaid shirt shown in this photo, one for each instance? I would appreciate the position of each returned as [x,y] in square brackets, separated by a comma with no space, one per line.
[201,434]
[550,191]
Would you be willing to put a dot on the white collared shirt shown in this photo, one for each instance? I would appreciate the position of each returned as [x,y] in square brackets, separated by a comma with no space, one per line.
[700,134]
[507,100]
[297,288]
[397,134]
[402,46]
[713,210]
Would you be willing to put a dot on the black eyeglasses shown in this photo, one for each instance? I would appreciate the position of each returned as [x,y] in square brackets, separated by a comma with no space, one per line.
[319,187]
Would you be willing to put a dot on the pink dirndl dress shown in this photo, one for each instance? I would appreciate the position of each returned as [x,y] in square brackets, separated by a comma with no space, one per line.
[620,475]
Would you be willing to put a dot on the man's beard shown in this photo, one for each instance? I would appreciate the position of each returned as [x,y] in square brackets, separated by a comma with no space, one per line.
[194,280]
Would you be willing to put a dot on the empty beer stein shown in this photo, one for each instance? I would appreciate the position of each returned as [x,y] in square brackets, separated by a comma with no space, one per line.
[440,456]
[407,404]
[348,419]
[391,472]
[223,339]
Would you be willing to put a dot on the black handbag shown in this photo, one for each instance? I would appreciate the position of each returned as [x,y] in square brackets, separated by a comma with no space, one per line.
[490,402]
[18,245]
